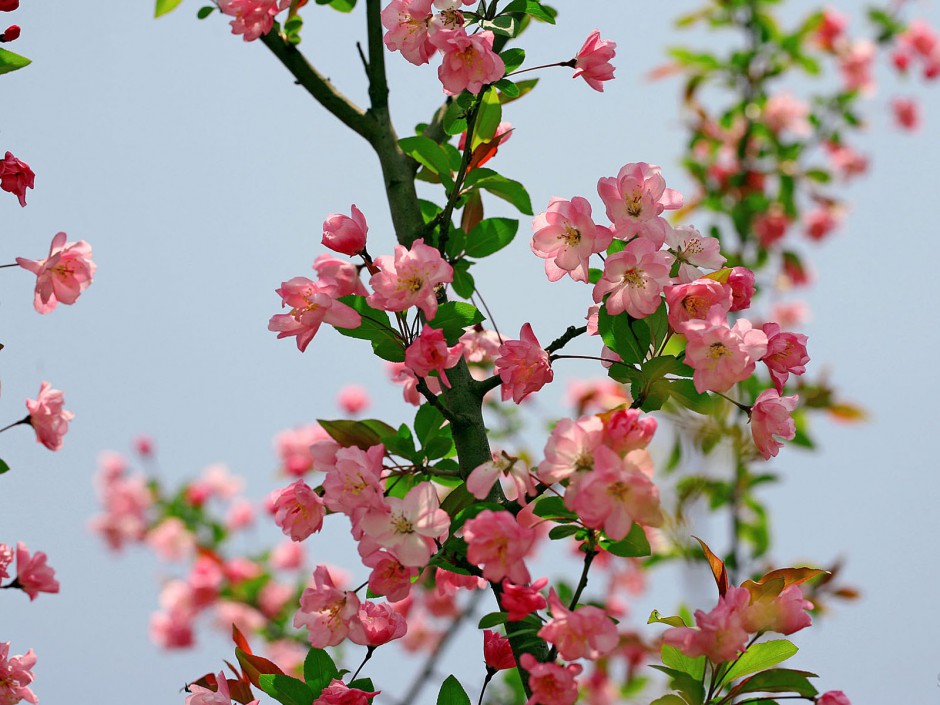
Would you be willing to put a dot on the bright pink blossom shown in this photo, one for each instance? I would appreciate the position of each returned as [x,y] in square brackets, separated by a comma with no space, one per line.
[520,601]
[205,580]
[6,558]
[469,62]
[253,18]
[312,303]
[325,610]
[497,651]
[635,198]
[741,281]
[906,113]
[410,278]
[16,177]
[345,234]
[345,275]
[389,577]
[833,697]
[125,501]
[172,630]
[429,353]
[516,480]
[376,624]
[846,160]
[499,544]
[703,299]
[480,345]
[298,510]
[830,28]
[353,399]
[551,683]
[338,693]
[15,676]
[786,354]
[287,555]
[407,24]
[411,525]
[592,62]
[784,112]
[523,366]
[295,447]
[785,613]
[570,448]
[47,416]
[821,221]
[771,227]
[354,484]
[33,575]
[855,64]
[626,430]
[720,636]
[634,279]
[63,275]
[206,696]
[693,250]
[770,418]
[400,374]
[586,632]
[565,236]
[722,356]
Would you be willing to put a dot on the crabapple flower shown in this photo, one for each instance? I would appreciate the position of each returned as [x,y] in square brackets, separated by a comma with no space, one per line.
[784,613]
[354,483]
[338,693]
[410,278]
[353,399]
[172,630]
[469,61]
[345,234]
[253,18]
[821,221]
[400,374]
[298,510]
[786,353]
[518,481]
[626,430]
[312,303]
[692,251]
[33,576]
[325,610]
[480,345]
[523,366]
[47,416]
[855,65]
[570,448]
[498,543]
[16,177]
[376,624]
[407,24]
[9,5]
[345,275]
[784,111]
[294,447]
[389,577]
[586,632]
[16,675]
[741,281]
[635,198]
[171,540]
[63,275]
[551,684]
[429,353]
[565,236]
[833,697]
[720,636]
[722,356]
[634,278]
[6,557]
[411,525]
[497,651]
[206,696]
[703,299]
[520,601]
[906,113]
[592,61]
[770,418]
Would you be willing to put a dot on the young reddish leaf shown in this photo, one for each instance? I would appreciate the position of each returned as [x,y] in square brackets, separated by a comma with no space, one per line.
[240,692]
[240,641]
[487,150]
[255,666]
[472,211]
[718,568]
[784,577]
[363,434]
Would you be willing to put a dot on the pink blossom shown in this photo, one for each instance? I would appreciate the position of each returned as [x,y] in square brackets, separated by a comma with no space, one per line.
[338,693]
[376,624]
[172,630]
[354,484]
[6,557]
[241,514]
[523,366]
[497,651]
[429,353]
[634,279]
[551,684]
[144,446]
[587,632]
[33,575]
[565,236]
[353,399]
[480,345]
[846,160]
[720,636]
[570,448]
[790,314]
[855,64]
[831,28]
[469,62]
[614,494]
[205,580]
[635,198]
[626,430]
[345,234]
[770,418]
[345,275]
[312,303]
[216,481]
[821,221]
[771,227]
[47,416]
[407,24]
[171,540]
[784,613]
[722,356]
[125,501]
[295,447]
[389,577]
[16,177]
[703,299]
[692,251]
[16,675]
[741,281]
[274,597]
[513,471]
[400,374]
[520,601]
[833,697]
[499,544]
[246,618]
[239,569]
[411,525]
[206,696]
[786,353]
[906,113]
[784,112]
[287,555]
[592,62]
[410,278]
[253,18]
[325,610]
[63,275]
[595,394]
[298,510]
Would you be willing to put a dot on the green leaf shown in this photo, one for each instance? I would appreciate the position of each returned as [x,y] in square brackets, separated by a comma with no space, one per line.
[669,700]
[674,621]
[285,689]
[553,508]
[492,619]
[458,499]
[683,391]
[673,658]
[341,5]
[4,467]
[504,25]
[523,88]
[633,545]
[760,657]
[507,89]
[498,185]
[513,58]
[205,11]
[779,680]
[319,670]
[12,62]
[376,328]
[453,316]
[563,531]
[455,118]
[491,235]
[691,687]
[627,337]
[428,423]
[362,434]
[429,154]
[533,8]
[489,115]
[364,684]
[463,283]
[165,6]
[452,693]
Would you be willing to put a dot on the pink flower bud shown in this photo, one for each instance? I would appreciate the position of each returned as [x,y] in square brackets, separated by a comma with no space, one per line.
[10,33]
[9,5]
[344,234]
[15,175]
